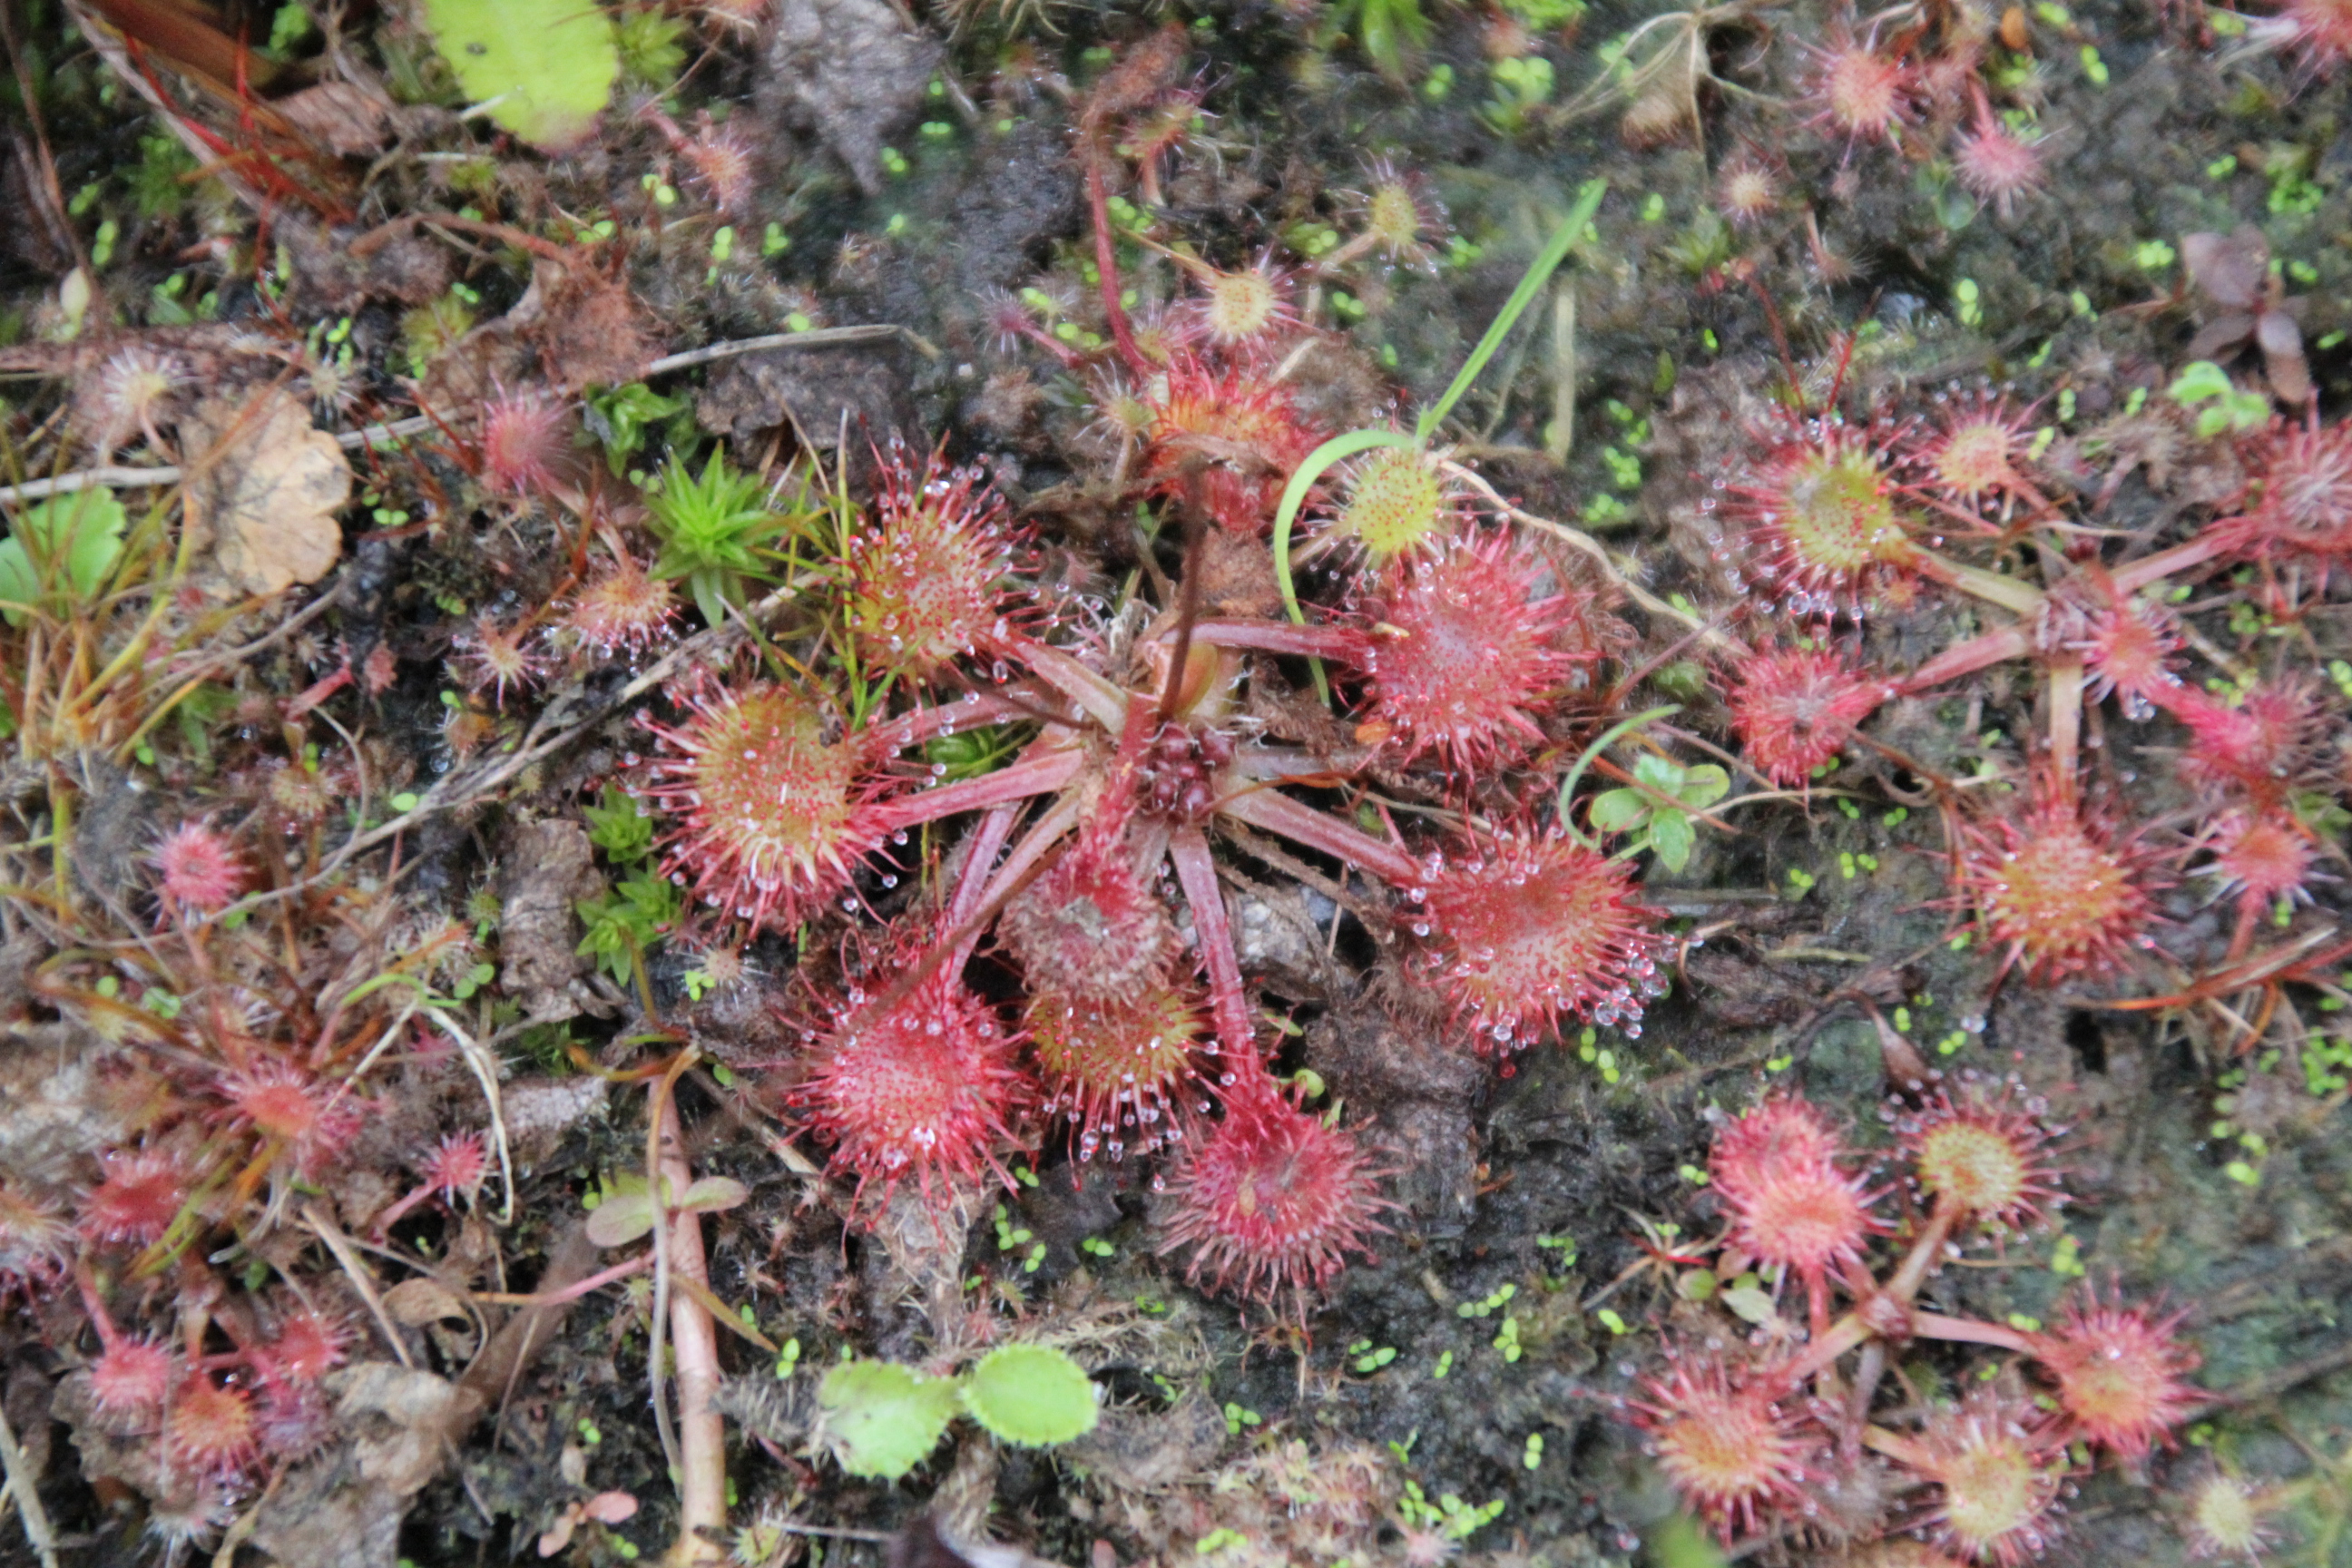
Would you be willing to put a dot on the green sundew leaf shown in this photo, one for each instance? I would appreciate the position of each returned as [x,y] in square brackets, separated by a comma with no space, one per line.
[880,1419]
[1619,810]
[1660,773]
[20,585]
[70,542]
[1672,836]
[1031,1394]
[546,67]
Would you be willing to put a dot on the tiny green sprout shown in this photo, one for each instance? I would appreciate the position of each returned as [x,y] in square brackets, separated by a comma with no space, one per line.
[1950,1043]
[1532,1457]
[1445,1365]
[1902,1020]
[1800,882]
[879,1419]
[406,800]
[1611,1321]
[788,1360]
[2204,382]
[588,1435]
[1508,1340]
[2025,1323]
[618,826]
[1237,1417]
[1218,1539]
[1097,1247]
[2245,1174]
[1849,810]
[1031,1395]
[1693,1176]
[2152,256]
[2093,65]
[716,530]
[1970,299]
[1662,826]
[1374,1359]
[1896,817]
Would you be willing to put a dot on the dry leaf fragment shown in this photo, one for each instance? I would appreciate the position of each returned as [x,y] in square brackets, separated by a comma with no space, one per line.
[412,1303]
[264,486]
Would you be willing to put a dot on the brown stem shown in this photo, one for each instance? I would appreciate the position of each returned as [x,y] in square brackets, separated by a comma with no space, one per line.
[702,1431]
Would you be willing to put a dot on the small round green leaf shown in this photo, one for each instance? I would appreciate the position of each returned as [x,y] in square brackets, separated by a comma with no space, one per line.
[880,1419]
[1029,1394]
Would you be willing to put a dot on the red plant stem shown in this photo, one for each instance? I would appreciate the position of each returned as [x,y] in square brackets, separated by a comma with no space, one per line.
[1899,1449]
[1968,1331]
[2133,575]
[2065,724]
[1981,652]
[1031,775]
[1196,872]
[1925,1253]
[1102,698]
[1301,823]
[702,1431]
[571,1292]
[1281,637]
[1107,261]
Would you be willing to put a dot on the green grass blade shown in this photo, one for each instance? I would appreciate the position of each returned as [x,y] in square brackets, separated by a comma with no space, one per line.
[1539,272]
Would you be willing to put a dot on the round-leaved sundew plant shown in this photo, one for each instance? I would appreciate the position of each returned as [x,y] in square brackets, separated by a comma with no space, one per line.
[1396,502]
[772,814]
[1273,1200]
[525,443]
[2303,495]
[1821,519]
[198,870]
[1998,1466]
[1226,439]
[1462,657]
[1794,709]
[1858,93]
[2054,891]
[2121,1372]
[1982,1158]
[136,1199]
[1794,1208]
[622,608]
[1523,930]
[1116,1067]
[926,577]
[918,1079]
[1727,1446]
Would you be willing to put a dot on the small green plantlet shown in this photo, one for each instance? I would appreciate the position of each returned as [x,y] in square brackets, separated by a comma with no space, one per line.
[625,1208]
[61,553]
[716,531]
[1648,821]
[544,68]
[653,45]
[2232,410]
[626,921]
[1033,1395]
[880,1420]
[618,826]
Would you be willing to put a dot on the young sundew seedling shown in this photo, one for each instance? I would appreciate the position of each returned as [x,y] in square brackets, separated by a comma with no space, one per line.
[1777,1436]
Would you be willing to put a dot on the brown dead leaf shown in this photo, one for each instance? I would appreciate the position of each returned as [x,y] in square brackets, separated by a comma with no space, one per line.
[412,1303]
[343,117]
[264,486]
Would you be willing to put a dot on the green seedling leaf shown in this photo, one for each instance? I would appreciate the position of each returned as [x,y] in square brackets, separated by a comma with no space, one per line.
[712,1195]
[1029,1394]
[1619,810]
[1672,836]
[880,1419]
[69,544]
[546,67]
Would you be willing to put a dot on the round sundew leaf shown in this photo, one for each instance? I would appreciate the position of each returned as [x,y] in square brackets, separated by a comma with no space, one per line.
[880,1419]
[546,67]
[1031,1394]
